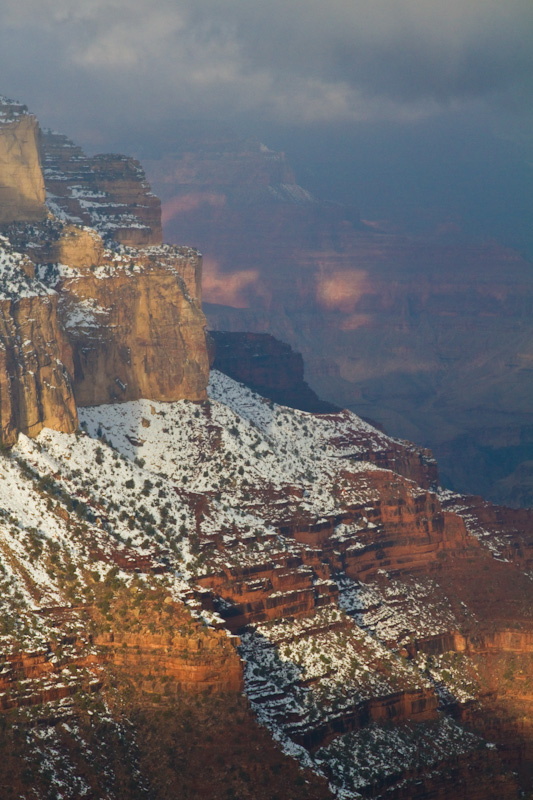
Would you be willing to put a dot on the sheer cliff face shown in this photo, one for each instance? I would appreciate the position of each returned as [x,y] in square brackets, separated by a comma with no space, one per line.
[35,359]
[35,386]
[22,191]
[135,330]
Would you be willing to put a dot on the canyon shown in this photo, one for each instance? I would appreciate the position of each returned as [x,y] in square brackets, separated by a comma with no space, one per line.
[430,335]
[212,589]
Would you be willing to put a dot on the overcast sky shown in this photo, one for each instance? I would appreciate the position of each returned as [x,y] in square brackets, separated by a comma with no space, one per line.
[112,72]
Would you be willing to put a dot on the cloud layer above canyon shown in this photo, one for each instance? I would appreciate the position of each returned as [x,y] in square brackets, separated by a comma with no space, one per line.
[287,61]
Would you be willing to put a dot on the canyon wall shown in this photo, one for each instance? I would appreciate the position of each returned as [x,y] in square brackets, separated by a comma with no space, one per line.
[107,192]
[269,367]
[22,191]
[35,384]
[135,331]
[94,308]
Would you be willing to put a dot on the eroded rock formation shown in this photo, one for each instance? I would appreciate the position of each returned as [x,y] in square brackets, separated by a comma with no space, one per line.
[134,328]
[35,385]
[35,358]
[107,192]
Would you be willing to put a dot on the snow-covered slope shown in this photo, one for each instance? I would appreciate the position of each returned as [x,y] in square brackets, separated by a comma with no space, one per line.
[244,513]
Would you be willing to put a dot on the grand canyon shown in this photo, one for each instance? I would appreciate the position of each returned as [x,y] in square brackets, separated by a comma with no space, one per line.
[216,581]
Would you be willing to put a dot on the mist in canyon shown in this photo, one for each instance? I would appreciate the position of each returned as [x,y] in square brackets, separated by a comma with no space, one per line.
[383,228]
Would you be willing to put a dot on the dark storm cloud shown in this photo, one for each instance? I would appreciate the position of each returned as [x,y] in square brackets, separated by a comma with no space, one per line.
[291,61]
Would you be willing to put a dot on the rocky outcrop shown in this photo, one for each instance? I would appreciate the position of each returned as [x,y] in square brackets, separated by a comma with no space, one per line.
[406,530]
[508,531]
[107,192]
[80,321]
[22,192]
[190,666]
[268,591]
[99,328]
[201,661]
[35,386]
[35,359]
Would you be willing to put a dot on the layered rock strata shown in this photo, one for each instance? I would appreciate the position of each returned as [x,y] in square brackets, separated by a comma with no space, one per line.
[107,192]
[136,327]
[35,359]
[94,326]
[81,320]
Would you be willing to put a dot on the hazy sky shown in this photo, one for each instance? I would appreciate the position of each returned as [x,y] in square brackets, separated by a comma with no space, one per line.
[118,72]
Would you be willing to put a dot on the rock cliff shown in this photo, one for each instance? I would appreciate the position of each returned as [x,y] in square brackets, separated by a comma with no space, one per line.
[163,557]
[86,316]
[22,191]
[134,327]
[35,360]
[107,192]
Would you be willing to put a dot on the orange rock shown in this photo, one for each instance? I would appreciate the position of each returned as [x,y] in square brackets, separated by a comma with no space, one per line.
[146,338]
[22,192]
[35,386]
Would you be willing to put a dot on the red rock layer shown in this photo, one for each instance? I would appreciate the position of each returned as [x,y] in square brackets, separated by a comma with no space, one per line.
[509,530]
[163,663]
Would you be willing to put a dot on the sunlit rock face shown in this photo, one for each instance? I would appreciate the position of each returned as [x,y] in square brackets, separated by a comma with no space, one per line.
[22,191]
[35,385]
[135,329]
[431,336]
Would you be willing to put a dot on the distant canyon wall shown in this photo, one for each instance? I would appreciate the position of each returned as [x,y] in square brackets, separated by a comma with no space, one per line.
[430,335]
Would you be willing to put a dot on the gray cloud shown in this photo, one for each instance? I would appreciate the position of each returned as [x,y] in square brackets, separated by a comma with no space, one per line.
[138,63]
